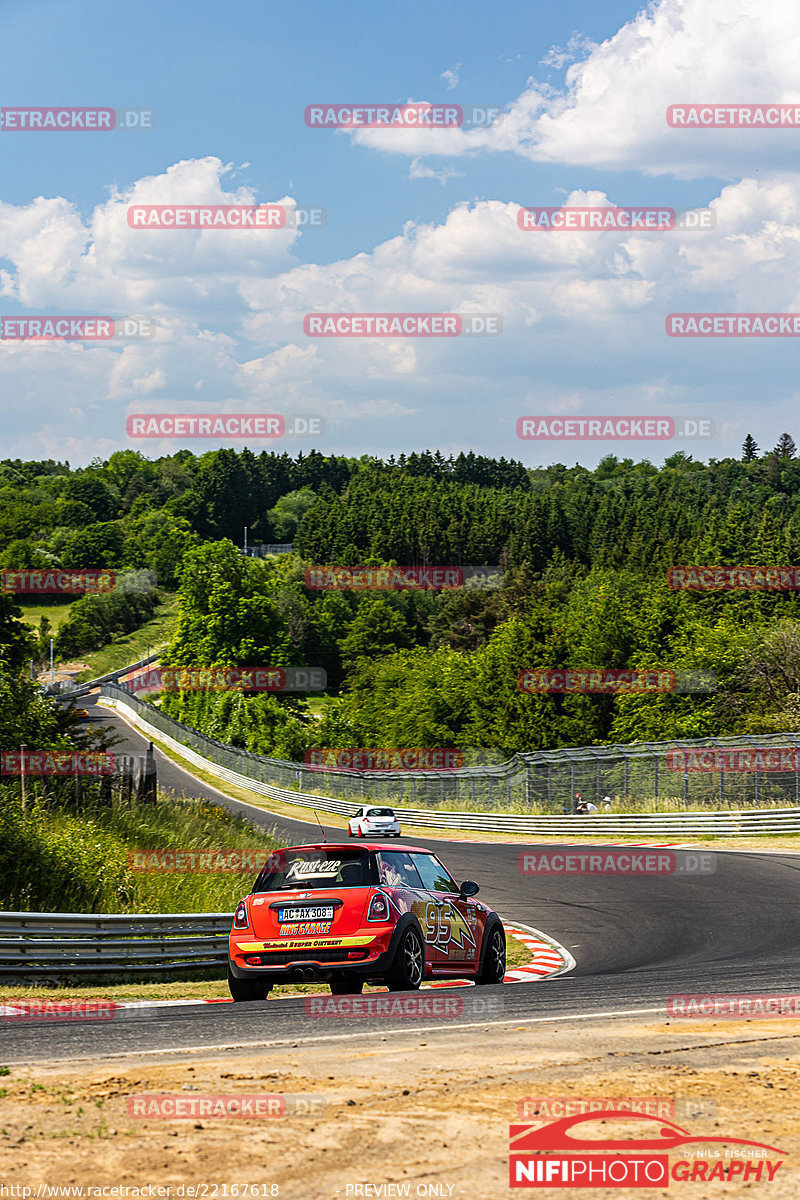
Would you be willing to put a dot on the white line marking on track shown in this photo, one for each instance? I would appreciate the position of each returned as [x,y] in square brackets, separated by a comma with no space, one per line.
[296,1039]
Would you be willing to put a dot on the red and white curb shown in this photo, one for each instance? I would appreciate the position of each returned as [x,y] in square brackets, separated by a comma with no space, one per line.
[549,958]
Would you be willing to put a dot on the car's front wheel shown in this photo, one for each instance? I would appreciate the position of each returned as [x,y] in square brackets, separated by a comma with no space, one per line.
[247,989]
[493,968]
[409,963]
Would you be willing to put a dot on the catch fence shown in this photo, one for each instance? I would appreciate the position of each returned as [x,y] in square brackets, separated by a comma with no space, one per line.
[720,773]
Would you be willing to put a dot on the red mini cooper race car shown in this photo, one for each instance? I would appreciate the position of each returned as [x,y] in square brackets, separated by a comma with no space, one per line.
[350,915]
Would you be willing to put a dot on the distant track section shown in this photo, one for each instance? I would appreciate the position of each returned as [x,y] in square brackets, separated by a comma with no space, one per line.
[725,823]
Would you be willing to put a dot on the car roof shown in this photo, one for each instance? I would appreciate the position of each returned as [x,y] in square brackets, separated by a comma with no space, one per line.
[351,846]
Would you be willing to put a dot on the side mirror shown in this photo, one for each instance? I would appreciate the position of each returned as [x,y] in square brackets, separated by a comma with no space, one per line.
[468,888]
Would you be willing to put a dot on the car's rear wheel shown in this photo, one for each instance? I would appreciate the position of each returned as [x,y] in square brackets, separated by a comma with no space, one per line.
[409,963]
[347,987]
[493,969]
[247,989]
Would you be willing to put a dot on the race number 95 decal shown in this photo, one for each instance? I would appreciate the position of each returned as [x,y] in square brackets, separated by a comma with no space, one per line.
[444,923]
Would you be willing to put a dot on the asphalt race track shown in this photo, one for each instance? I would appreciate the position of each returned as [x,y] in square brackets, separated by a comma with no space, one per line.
[636,940]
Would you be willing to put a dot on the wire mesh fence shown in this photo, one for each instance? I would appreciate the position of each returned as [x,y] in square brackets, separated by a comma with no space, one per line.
[716,773]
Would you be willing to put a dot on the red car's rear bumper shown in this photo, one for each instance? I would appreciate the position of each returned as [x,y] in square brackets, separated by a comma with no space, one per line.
[368,952]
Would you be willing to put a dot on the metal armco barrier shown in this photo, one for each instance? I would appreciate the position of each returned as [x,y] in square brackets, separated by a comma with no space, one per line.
[718,823]
[82,689]
[44,945]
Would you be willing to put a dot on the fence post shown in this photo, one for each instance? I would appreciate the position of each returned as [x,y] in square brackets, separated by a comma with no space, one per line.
[22,775]
[655,775]
[104,792]
[149,781]
[127,778]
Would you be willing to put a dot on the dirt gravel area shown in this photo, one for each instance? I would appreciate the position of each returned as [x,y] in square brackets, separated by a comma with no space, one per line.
[430,1110]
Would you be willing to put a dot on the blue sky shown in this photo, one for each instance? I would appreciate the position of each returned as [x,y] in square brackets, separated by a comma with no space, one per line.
[420,222]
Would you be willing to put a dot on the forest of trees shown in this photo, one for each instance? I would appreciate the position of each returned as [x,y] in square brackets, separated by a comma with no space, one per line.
[583,555]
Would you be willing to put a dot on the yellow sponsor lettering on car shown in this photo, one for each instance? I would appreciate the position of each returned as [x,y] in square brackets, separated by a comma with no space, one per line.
[305,943]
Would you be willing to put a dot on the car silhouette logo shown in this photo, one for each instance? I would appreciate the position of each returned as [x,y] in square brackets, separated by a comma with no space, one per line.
[557,1136]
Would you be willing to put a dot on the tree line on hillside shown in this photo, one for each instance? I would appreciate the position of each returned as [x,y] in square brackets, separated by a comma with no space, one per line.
[441,668]
[583,552]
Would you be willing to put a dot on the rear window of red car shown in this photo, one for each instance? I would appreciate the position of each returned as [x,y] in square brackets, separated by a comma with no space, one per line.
[306,870]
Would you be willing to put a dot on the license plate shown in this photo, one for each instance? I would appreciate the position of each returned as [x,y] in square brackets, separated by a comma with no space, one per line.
[322,912]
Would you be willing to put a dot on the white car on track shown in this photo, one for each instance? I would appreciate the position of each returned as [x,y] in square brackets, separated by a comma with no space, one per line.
[371,821]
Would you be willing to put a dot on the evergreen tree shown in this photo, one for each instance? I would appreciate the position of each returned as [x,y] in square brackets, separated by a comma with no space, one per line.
[785,447]
[749,449]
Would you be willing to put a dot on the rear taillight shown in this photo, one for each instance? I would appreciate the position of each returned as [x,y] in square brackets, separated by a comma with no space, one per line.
[240,917]
[378,908]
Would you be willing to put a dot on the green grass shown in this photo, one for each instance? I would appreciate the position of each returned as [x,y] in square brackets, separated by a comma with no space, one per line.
[52,860]
[56,613]
[133,646]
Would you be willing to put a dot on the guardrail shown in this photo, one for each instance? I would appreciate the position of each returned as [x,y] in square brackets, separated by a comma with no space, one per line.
[719,823]
[47,945]
[110,677]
